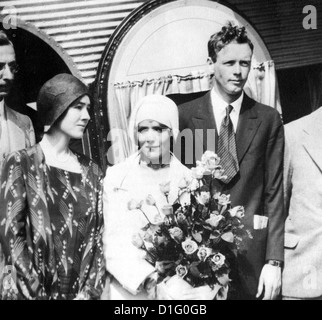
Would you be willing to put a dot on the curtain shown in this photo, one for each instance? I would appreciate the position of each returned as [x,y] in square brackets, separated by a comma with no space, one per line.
[261,86]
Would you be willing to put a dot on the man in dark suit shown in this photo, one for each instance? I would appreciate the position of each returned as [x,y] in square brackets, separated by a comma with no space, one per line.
[258,136]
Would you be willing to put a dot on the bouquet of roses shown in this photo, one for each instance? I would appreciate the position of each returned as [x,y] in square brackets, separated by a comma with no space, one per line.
[200,232]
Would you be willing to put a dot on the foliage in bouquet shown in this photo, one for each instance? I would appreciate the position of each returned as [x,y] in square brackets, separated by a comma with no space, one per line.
[201,232]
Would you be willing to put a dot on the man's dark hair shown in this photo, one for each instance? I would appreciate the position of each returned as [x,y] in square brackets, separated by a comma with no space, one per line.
[4,40]
[228,33]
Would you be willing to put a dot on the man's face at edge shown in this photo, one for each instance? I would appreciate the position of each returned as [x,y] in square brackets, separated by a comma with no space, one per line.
[7,59]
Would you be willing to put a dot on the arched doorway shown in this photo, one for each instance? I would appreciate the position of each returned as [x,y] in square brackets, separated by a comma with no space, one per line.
[162,48]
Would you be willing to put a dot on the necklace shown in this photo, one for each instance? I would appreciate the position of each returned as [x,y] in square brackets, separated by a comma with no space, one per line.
[154,166]
[157,166]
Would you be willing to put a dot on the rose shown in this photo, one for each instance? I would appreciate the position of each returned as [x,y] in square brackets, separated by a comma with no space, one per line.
[184,183]
[195,184]
[158,240]
[203,197]
[165,187]
[199,164]
[224,199]
[181,218]
[218,173]
[218,261]
[167,210]
[150,200]
[214,220]
[176,233]
[148,237]
[198,172]
[203,253]
[215,235]
[156,220]
[228,237]
[184,197]
[209,155]
[216,196]
[137,241]
[181,270]
[210,160]
[238,212]
[133,204]
[189,246]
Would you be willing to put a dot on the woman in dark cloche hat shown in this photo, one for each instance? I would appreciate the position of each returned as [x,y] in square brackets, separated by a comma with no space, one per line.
[51,217]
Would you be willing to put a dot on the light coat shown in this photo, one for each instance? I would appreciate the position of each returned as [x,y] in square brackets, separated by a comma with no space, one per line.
[302,275]
[124,182]
[17,132]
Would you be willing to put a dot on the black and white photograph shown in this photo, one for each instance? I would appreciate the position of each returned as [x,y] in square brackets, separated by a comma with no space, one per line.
[160,150]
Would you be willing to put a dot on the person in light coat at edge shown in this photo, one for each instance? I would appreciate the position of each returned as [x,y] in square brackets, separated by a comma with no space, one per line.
[153,123]
[302,274]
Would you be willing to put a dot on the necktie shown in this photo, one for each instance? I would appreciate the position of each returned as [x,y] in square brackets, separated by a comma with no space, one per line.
[227,147]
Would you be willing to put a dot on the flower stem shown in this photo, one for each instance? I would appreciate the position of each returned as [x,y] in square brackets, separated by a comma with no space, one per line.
[153,257]
[157,209]
[145,216]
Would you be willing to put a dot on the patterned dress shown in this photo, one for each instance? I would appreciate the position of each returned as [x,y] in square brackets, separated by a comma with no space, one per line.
[51,225]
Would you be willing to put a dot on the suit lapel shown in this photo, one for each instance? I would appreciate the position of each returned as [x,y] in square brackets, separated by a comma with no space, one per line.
[312,139]
[204,120]
[248,124]
[16,137]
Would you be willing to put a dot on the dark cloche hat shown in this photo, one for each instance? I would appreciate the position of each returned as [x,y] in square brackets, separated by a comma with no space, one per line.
[56,95]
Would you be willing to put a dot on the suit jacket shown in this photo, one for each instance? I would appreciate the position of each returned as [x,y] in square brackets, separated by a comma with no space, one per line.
[302,275]
[258,186]
[17,132]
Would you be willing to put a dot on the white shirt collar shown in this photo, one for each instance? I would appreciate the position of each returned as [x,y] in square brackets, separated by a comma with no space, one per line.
[219,109]
[238,103]
[219,102]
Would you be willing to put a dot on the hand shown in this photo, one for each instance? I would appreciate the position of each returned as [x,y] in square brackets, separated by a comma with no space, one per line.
[80,296]
[150,285]
[270,280]
[177,288]
[172,288]
[202,293]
